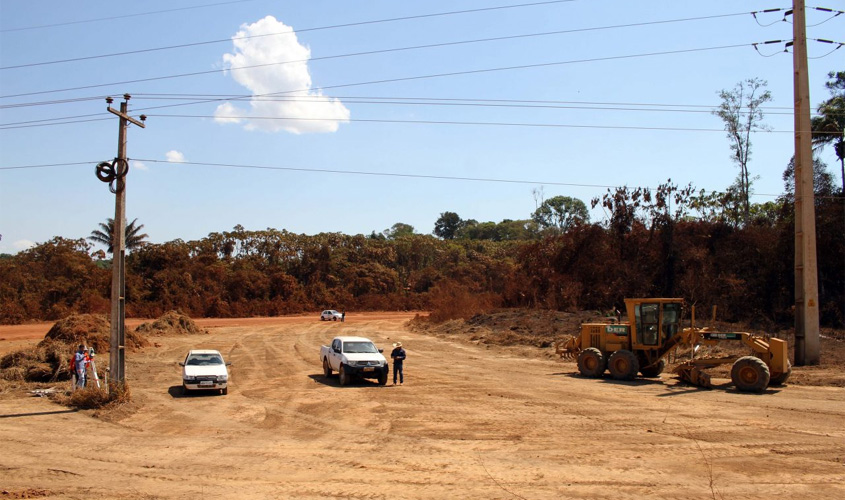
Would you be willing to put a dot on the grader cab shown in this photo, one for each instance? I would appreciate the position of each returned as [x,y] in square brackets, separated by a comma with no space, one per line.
[653,329]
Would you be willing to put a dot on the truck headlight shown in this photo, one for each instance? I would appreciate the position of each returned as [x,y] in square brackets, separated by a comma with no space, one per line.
[189,378]
[222,378]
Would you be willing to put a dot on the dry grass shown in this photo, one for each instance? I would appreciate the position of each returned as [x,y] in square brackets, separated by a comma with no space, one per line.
[96,398]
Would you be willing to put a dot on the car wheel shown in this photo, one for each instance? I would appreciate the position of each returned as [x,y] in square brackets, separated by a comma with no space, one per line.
[343,376]
[327,370]
[224,391]
[185,390]
[334,318]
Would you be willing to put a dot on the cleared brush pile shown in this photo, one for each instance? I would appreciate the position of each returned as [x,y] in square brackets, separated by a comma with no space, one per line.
[49,360]
[170,323]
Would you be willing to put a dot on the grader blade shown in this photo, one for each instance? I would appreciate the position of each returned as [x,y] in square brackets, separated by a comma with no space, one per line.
[569,348]
[694,375]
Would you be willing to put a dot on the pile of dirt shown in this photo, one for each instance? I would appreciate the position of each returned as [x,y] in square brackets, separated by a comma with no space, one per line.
[171,323]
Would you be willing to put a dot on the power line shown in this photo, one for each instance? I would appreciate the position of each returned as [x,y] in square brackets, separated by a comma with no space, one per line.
[46,165]
[457,73]
[374,99]
[366,173]
[502,104]
[481,40]
[52,124]
[443,122]
[437,100]
[125,16]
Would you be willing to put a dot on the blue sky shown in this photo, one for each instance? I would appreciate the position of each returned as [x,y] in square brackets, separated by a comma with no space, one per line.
[586,109]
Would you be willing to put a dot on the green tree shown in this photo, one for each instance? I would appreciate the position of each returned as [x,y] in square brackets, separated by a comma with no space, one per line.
[561,212]
[447,225]
[105,235]
[399,230]
[741,110]
[829,126]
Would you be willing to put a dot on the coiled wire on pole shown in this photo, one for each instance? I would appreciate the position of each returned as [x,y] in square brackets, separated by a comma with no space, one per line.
[113,171]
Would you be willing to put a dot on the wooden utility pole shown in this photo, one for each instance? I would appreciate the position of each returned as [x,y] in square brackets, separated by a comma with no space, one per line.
[807,350]
[115,174]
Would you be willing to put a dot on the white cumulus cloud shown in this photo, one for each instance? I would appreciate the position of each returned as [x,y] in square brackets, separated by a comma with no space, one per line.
[139,165]
[175,157]
[316,112]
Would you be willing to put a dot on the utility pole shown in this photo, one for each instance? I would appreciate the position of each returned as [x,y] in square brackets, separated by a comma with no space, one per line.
[807,351]
[115,174]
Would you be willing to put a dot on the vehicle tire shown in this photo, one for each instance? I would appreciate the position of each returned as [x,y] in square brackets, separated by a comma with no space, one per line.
[623,365]
[343,376]
[654,371]
[382,379]
[591,362]
[334,318]
[750,374]
[185,390]
[783,377]
[224,391]
[327,370]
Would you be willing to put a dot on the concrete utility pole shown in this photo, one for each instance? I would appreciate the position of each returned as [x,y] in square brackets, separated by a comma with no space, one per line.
[807,350]
[111,173]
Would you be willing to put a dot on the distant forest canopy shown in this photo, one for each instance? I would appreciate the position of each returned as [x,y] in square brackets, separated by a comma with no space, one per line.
[649,246]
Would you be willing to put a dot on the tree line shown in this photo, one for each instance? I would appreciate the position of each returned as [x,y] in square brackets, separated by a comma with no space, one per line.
[650,245]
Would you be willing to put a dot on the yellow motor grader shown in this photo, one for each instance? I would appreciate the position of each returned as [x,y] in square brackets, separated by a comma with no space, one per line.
[653,329]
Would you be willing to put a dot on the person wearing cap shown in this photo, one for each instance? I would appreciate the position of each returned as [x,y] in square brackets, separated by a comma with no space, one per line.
[80,360]
[398,356]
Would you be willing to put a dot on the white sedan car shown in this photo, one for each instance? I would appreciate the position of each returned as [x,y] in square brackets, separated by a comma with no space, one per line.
[204,369]
[330,315]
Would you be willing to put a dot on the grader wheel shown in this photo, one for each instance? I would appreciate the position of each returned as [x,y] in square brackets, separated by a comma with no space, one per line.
[750,374]
[623,365]
[654,371]
[591,362]
[781,378]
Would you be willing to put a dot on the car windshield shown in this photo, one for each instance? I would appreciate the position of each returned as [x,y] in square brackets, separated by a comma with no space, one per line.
[359,347]
[204,359]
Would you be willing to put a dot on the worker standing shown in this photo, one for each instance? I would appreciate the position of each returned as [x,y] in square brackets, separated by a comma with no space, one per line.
[80,363]
[398,356]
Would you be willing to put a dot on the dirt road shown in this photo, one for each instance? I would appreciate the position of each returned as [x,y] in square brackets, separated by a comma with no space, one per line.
[470,422]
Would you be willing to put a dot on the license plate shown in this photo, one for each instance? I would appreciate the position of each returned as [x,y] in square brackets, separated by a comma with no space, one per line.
[206,382]
[369,369]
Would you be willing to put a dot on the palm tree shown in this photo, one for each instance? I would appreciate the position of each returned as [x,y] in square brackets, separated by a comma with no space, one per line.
[829,127]
[133,240]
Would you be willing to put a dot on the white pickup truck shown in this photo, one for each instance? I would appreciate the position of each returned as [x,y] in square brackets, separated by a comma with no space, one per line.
[354,357]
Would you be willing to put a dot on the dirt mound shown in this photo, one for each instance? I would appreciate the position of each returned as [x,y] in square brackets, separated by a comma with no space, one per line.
[171,323]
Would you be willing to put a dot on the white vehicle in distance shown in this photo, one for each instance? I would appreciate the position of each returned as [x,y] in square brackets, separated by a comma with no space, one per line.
[204,369]
[330,315]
